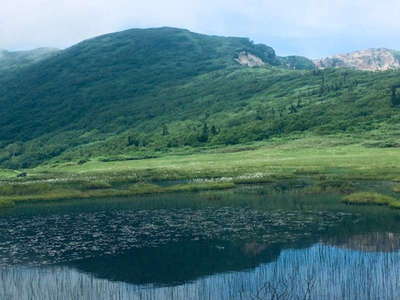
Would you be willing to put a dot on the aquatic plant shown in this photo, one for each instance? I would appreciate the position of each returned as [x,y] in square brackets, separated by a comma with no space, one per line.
[200,187]
[6,203]
[57,238]
[82,190]
[336,186]
[254,178]
[396,189]
[368,198]
[394,204]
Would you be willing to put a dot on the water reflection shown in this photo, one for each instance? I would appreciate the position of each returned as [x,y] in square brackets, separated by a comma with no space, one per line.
[330,272]
[369,242]
[239,245]
[176,263]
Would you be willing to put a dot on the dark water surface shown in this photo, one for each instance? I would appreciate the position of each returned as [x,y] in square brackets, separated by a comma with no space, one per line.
[255,242]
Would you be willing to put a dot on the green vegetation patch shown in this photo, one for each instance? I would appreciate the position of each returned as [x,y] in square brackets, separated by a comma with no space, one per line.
[94,185]
[5,173]
[4,203]
[336,186]
[20,189]
[370,198]
[396,189]
[76,190]
[254,179]
[395,205]
[195,187]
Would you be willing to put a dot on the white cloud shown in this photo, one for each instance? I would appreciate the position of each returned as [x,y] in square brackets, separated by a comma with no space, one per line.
[311,27]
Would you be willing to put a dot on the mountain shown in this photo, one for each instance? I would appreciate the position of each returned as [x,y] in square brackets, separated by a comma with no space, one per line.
[380,59]
[14,60]
[145,91]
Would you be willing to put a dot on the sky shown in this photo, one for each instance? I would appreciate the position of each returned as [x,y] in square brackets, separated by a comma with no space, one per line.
[312,28]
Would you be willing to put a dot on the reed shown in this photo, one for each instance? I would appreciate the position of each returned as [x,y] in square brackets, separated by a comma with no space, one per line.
[15,194]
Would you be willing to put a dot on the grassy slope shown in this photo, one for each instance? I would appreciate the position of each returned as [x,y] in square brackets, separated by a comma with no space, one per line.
[303,156]
[6,174]
[244,105]
[118,91]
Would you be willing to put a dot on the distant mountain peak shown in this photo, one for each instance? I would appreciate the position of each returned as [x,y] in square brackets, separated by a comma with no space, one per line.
[373,59]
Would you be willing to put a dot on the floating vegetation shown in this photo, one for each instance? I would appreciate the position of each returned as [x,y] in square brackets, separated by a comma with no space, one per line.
[340,186]
[394,204]
[6,203]
[396,189]
[369,198]
[58,238]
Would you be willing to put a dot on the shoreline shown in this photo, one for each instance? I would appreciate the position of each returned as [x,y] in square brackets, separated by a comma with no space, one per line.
[40,192]
[314,159]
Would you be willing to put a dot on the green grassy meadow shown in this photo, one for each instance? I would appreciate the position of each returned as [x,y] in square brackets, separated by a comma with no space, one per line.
[309,156]
[322,159]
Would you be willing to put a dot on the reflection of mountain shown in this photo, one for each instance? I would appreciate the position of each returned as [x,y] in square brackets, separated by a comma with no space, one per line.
[177,263]
[370,242]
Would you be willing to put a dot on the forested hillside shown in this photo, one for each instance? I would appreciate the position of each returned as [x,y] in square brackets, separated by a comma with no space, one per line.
[143,91]
[16,60]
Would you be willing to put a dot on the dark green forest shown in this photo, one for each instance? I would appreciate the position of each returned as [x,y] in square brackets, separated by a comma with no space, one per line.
[156,90]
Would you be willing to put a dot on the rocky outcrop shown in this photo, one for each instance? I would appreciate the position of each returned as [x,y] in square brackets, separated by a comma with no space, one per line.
[249,60]
[367,60]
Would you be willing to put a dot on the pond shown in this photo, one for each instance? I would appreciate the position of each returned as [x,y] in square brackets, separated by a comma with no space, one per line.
[253,242]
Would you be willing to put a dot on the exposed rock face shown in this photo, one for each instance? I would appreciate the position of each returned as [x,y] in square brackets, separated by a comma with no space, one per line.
[249,60]
[367,60]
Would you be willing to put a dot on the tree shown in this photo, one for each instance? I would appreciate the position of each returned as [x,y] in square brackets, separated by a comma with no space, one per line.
[14,149]
[292,109]
[203,138]
[395,99]
[213,130]
[132,141]
[165,130]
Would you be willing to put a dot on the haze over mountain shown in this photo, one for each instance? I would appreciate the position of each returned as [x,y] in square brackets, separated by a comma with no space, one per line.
[142,91]
[11,60]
